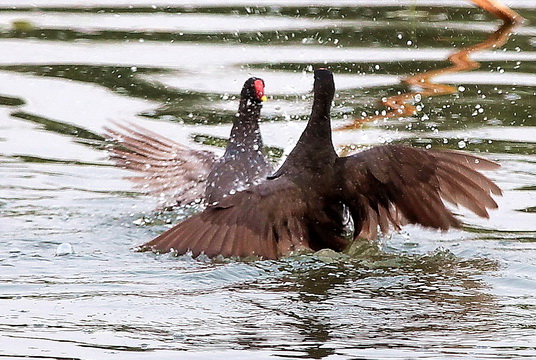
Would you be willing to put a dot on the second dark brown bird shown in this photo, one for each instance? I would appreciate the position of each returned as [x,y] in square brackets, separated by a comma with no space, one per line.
[301,206]
[179,175]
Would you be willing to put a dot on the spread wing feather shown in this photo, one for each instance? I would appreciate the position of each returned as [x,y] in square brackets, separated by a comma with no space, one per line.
[264,221]
[392,185]
[174,172]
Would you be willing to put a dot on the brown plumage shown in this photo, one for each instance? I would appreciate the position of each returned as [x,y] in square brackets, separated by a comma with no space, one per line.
[180,175]
[301,206]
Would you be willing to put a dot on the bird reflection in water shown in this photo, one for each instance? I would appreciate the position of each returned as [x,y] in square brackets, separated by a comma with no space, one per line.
[310,304]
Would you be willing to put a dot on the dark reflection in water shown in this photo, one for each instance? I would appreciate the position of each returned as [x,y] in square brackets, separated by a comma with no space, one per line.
[325,304]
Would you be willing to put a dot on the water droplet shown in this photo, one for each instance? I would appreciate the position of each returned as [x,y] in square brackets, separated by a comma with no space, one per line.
[64,249]
[461,144]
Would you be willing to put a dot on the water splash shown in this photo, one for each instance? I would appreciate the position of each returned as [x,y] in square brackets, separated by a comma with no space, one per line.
[403,105]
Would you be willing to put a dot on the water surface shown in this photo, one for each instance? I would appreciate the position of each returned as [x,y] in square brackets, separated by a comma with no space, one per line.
[66,71]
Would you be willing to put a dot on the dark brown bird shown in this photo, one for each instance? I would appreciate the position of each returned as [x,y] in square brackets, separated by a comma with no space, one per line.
[180,175]
[301,206]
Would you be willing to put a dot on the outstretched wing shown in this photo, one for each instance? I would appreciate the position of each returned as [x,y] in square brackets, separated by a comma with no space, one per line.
[394,185]
[169,170]
[265,221]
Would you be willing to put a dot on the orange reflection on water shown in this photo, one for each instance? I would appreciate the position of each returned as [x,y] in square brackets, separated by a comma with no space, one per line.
[499,10]
[401,105]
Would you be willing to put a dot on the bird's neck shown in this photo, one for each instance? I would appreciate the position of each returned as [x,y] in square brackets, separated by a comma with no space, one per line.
[314,150]
[245,133]
[318,130]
